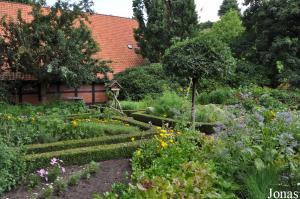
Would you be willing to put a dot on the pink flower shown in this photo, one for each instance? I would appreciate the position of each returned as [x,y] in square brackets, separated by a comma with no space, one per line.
[42,172]
[54,161]
[63,169]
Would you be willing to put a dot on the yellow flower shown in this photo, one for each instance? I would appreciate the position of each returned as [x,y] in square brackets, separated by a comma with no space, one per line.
[171,141]
[163,131]
[126,124]
[163,144]
[273,114]
[132,139]
[158,128]
[139,152]
[74,124]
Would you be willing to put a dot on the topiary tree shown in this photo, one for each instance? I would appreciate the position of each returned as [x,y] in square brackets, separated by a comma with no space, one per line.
[196,59]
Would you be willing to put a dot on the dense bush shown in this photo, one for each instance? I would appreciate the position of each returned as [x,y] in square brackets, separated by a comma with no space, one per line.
[248,73]
[12,167]
[139,82]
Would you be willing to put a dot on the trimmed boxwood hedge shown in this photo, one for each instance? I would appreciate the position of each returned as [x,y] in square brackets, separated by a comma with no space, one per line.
[155,120]
[142,125]
[84,155]
[56,146]
[207,128]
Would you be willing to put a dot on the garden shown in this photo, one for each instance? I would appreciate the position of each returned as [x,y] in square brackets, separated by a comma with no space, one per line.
[214,113]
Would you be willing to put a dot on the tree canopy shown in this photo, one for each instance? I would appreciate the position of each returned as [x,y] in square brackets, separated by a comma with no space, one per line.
[54,46]
[228,5]
[198,58]
[272,38]
[161,23]
[228,28]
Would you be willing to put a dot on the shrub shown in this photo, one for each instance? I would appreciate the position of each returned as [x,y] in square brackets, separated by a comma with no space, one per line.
[218,96]
[12,167]
[139,82]
[211,113]
[131,105]
[57,146]
[60,186]
[74,179]
[247,73]
[169,105]
[83,155]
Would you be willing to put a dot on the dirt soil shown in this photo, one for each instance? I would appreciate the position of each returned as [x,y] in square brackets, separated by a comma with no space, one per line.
[110,172]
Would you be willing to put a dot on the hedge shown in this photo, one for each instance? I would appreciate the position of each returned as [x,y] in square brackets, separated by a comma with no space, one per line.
[56,146]
[141,125]
[80,156]
[208,128]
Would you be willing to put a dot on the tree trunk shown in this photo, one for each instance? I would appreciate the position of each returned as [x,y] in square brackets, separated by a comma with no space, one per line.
[43,93]
[194,81]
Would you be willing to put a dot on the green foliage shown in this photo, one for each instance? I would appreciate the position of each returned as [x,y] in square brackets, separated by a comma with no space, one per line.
[161,23]
[60,186]
[169,105]
[33,180]
[47,192]
[199,58]
[53,173]
[93,167]
[258,183]
[139,82]
[94,129]
[228,28]
[50,47]
[12,167]
[248,73]
[83,155]
[5,94]
[132,105]
[112,139]
[211,114]
[133,122]
[218,96]
[272,38]
[227,6]
[244,161]
[74,179]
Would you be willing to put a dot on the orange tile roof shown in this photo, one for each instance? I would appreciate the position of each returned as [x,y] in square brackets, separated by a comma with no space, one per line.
[112,33]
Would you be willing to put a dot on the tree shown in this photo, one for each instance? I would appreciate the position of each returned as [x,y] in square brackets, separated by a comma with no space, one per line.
[198,58]
[228,5]
[228,28]
[272,38]
[54,46]
[160,23]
